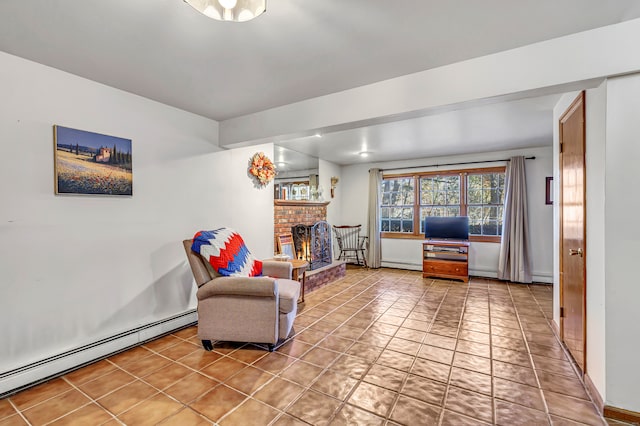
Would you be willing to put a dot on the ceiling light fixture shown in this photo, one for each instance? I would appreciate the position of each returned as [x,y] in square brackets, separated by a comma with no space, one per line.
[229,10]
[363,154]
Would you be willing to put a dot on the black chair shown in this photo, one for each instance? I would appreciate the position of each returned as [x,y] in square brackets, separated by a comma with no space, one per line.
[351,244]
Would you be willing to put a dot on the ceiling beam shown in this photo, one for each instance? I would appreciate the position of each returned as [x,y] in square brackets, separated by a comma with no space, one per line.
[559,65]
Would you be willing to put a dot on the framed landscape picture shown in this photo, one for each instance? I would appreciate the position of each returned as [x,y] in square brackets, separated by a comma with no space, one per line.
[91,163]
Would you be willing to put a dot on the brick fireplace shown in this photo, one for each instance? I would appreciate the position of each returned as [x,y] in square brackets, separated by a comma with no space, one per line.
[289,213]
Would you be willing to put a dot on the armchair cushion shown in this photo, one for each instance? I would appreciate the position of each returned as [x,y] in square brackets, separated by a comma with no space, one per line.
[287,291]
[238,286]
[225,250]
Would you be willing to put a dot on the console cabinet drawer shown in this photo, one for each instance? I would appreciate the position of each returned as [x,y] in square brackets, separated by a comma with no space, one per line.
[449,268]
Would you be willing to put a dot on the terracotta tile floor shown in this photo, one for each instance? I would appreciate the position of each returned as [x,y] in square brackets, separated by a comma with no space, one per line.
[376,347]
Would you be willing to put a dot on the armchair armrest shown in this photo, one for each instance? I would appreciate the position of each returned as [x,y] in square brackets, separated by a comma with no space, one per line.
[239,286]
[277,269]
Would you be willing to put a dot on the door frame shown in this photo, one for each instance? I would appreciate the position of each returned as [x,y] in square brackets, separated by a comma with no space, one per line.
[579,100]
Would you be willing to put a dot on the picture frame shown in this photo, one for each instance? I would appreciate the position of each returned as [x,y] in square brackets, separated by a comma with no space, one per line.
[549,190]
[88,163]
[285,245]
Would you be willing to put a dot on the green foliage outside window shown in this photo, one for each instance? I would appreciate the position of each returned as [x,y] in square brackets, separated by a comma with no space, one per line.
[442,195]
[485,200]
[398,196]
[439,196]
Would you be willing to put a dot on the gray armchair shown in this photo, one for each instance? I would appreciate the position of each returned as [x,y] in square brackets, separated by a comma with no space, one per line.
[242,309]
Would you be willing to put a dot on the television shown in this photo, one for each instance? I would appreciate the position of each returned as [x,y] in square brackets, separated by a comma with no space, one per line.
[446,228]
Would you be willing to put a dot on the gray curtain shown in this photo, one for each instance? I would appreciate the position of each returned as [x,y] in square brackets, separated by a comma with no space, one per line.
[373,223]
[514,263]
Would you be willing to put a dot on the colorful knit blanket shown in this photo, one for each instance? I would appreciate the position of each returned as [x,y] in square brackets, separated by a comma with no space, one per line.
[225,250]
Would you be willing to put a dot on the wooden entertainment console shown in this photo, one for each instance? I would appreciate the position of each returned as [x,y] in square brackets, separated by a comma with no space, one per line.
[446,259]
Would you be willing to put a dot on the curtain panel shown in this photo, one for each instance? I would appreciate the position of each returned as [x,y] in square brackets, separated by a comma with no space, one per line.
[514,263]
[373,221]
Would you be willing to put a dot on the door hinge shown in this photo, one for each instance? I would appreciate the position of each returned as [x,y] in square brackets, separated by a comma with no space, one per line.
[561,312]
[561,146]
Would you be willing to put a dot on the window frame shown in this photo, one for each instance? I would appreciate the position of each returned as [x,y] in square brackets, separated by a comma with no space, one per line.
[404,206]
[463,173]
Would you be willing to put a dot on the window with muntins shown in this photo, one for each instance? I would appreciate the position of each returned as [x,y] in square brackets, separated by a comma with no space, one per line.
[477,193]
[439,196]
[485,201]
[397,209]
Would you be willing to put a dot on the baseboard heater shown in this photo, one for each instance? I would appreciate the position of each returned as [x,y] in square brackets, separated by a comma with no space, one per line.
[398,264]
[40,371]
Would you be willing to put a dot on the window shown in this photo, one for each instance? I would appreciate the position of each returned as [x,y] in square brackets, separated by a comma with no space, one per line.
[485,200]
[439,196]
[397,209]
[477,193]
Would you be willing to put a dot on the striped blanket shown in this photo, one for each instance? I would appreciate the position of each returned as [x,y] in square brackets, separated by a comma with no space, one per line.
[226,252]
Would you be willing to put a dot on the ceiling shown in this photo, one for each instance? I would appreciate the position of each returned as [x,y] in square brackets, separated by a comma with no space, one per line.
[299,49]
[496,126]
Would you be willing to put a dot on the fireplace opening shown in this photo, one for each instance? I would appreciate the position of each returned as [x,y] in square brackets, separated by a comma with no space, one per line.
[313,243]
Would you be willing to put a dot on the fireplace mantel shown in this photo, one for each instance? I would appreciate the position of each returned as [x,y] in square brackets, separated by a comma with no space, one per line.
[300,203]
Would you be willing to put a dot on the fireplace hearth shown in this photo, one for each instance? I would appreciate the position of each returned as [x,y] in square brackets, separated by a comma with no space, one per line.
[313,243]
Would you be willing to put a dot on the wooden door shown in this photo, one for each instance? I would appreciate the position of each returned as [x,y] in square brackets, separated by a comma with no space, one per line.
[572,231]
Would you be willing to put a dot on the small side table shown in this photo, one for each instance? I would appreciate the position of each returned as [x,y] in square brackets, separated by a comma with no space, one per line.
[297,266]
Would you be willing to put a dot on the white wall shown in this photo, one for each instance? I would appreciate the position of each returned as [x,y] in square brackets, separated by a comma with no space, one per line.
[328,169]
[75,269]
[483,259]
[622,239]
[595,116]
[250,205]
[613,341]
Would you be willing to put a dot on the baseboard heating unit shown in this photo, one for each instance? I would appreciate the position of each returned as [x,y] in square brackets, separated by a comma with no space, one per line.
[37,372]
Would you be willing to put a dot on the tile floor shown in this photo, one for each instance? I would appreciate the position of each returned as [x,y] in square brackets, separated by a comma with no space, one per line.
[376,347]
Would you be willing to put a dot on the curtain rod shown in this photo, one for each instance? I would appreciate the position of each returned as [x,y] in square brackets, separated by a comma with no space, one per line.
[452,164]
